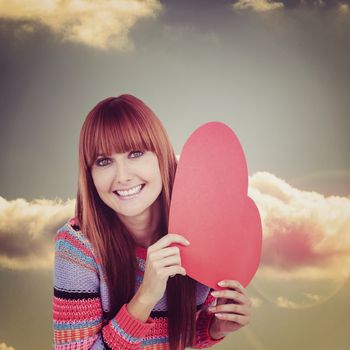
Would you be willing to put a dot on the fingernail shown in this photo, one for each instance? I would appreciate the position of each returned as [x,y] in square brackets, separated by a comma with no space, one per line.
[187,242]
[222,283]
[214,294]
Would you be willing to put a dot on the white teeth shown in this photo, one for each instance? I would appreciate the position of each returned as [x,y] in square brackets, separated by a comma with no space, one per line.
[131,191]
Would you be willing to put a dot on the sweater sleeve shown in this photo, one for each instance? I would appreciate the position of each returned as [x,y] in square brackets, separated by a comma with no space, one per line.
[77,305]
[203,321]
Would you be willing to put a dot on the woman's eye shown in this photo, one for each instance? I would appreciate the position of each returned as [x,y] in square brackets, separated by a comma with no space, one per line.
[137,153]
[102,161]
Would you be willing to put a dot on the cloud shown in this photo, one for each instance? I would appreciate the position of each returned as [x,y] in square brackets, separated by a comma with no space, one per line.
[258,5]
[314,297]
[3,346]
[256,302]
[269,5]
[102,24]
[306,235]
[27,230]
[286,303]
[344,8]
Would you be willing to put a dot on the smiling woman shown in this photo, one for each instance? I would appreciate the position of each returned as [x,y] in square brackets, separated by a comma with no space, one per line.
[114,259]
[120,178]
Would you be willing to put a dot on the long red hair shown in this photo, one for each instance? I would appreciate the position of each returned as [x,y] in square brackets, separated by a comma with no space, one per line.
[118,125]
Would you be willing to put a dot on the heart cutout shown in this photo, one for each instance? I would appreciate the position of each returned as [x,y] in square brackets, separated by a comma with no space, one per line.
[211,208]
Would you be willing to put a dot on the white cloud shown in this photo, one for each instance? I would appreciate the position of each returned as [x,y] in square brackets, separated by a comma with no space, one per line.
[344,8]
[286,303]
[101,24]
[3,346]
[258,5]
[27,230]
[256,302]
[306,235]
[313,297]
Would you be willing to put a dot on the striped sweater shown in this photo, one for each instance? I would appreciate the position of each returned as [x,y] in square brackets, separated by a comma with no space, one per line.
[81,295]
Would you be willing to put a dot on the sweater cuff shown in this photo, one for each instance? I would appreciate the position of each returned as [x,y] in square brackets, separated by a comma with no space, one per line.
[124,331]
[203,338]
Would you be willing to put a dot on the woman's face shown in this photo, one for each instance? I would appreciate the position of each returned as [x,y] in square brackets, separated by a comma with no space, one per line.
[129,183]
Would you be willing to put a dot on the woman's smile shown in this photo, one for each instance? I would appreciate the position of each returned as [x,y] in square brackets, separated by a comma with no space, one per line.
[130,193]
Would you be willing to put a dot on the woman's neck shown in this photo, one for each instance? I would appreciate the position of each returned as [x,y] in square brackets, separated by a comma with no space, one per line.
[144,227]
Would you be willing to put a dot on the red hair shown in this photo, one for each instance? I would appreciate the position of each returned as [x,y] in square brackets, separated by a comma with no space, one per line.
[118,125]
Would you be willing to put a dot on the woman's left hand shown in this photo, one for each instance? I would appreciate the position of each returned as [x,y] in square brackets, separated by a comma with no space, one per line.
[232,310]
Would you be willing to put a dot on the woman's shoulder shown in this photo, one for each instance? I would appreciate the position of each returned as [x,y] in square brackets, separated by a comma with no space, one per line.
[73,250]
[71,231]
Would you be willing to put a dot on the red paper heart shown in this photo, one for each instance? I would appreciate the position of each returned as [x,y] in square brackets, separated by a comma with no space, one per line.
[211,208]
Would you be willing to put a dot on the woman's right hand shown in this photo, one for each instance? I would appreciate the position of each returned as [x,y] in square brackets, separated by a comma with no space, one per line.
[162,262]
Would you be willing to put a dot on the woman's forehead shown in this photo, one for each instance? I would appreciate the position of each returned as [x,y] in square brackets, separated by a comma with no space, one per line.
[118,145]
[104,151]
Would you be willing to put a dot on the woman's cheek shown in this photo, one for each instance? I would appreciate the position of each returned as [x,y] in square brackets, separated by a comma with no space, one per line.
[103,180]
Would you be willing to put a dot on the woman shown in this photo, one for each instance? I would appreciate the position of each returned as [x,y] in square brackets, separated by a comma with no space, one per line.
[118,282]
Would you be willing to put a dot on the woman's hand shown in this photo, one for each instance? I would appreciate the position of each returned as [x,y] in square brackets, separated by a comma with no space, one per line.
[162,262]
[232,311]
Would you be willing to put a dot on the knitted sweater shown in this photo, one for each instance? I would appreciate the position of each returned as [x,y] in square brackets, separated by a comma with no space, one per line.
[81,295]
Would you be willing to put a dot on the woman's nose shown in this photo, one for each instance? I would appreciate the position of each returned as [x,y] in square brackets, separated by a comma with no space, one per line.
[122,172]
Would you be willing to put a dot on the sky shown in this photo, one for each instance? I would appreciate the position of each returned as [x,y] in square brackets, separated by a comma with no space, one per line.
[276,72]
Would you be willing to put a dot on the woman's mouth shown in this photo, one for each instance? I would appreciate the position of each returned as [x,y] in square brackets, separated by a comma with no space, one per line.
[130,193]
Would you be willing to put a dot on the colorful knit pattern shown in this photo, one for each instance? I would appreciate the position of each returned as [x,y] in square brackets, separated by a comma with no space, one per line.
[81,296]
